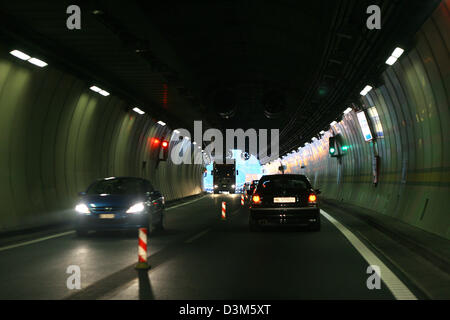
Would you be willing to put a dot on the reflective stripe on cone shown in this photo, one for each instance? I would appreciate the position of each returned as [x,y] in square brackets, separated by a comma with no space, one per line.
[142,250]
[224,210]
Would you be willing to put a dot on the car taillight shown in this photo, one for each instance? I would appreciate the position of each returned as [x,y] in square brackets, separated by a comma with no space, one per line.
[312,198]
[256,199]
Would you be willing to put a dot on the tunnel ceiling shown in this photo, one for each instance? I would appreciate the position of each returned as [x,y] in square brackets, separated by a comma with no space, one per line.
[292,65]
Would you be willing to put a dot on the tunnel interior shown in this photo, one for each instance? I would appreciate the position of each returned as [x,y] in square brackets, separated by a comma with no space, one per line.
[308,86]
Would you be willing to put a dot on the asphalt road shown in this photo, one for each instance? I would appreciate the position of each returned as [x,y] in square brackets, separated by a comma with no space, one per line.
[197,257]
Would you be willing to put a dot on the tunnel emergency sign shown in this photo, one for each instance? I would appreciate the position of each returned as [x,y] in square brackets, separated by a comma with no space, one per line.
[364,126]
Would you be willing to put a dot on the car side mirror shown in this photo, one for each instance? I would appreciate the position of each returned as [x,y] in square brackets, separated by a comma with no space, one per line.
[318,191]
[81,193]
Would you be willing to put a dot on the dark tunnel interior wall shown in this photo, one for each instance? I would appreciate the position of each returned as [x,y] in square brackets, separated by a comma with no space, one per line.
[57,136]
[413,106]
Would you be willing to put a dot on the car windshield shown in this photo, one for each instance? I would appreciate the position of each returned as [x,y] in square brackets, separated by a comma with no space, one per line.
[224,169]
[117,186]
[283,183]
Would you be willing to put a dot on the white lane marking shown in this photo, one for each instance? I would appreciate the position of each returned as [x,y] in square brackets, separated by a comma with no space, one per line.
[183,204]
[395,285]
[198,235]
[36,240]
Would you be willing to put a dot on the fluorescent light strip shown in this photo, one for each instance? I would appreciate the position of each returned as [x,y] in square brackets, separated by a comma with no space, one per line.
[394,56]
[37,62]
[99,91]
[137,110]
[397,52]
[365,90]
[20,55]
[95,89]
[161,123]
[391,60]
[348,110]
[23,56]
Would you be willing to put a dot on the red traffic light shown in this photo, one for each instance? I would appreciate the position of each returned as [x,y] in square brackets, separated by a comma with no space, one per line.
[155,142]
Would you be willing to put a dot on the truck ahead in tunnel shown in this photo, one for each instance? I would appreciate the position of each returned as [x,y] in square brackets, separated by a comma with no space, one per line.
[224,177]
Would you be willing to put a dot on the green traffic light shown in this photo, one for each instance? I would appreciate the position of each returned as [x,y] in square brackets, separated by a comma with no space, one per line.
[345,148]
[332,150]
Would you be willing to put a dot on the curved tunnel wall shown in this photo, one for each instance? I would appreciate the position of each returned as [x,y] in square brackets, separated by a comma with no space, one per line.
[413,108]
[57,136]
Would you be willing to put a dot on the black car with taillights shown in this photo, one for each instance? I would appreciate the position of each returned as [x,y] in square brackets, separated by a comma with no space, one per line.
[284,199]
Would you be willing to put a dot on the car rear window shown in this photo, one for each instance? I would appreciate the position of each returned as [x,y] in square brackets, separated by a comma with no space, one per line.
[117,186]
[278,184]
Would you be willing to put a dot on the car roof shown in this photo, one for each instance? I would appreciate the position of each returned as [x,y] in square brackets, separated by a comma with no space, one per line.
[289,175]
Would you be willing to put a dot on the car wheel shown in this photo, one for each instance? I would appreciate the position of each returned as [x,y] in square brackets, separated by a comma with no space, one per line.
[81,232]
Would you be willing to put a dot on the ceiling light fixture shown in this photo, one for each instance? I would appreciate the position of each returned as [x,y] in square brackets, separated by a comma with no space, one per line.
[20,55]
[365,90]
[137,110]
[25,57]
[391,60]
[95,89]
[347,110]
[397,52]
[37,62]
[99,91]
[394,56]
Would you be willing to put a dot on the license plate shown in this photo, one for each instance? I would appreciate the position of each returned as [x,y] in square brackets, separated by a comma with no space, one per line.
[284,200]
[107,216]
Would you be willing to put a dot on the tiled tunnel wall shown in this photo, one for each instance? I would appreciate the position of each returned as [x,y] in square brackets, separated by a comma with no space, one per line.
[57,136]
[413,108]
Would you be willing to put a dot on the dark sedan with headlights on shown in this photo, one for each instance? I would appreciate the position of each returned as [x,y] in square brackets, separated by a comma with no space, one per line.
[119,203]
[284,199]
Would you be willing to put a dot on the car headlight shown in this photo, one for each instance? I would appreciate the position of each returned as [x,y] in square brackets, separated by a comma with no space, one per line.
[216,186]
[136,208]
[82,208]
[233,186]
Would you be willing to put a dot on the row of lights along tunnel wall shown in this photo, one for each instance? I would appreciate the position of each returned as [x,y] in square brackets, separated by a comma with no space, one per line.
[390,61]
[156,141]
